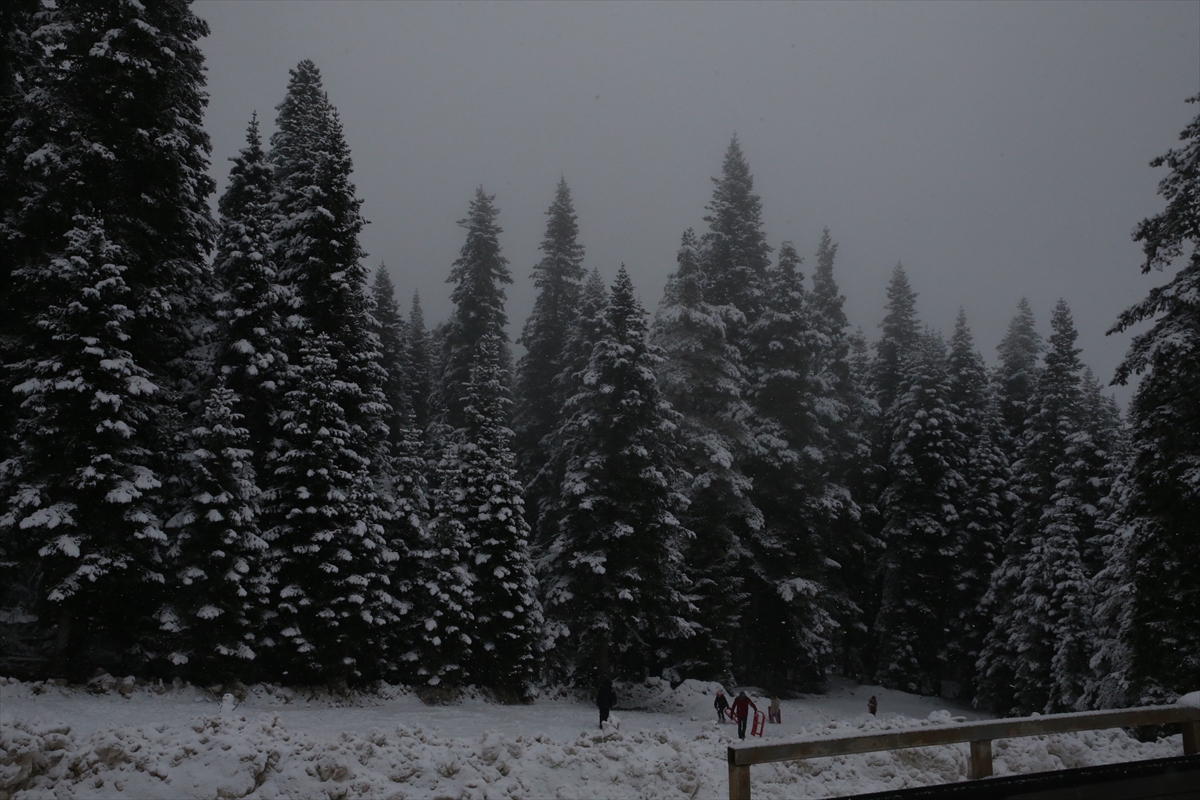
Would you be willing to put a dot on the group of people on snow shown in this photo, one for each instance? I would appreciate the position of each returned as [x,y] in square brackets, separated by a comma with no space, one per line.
[737,711]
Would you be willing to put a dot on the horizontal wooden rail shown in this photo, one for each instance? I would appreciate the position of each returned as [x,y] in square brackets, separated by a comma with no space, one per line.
[978,734]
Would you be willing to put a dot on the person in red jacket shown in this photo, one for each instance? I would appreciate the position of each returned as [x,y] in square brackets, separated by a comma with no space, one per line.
[741,711]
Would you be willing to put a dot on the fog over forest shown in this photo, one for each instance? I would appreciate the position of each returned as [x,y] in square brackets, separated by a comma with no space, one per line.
[998,150]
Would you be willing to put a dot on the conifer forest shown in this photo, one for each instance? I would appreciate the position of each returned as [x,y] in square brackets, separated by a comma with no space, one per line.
[229,451]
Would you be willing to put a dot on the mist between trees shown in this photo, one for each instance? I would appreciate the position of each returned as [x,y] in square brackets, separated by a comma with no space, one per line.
[262,468]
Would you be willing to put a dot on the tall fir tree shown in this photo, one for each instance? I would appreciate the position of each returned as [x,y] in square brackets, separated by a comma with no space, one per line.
[1161,630]
[981,527]
[735,255]
[789,471]
[479,276]
[107,164]
[335,407]
[849,412]
[613,576]
[420,359]
[1016,376]
[214,614]
[558,278]
[335,602]
[253,305]
[901,334]
[585,332]
[401,477]
[1036,656]
[702,377]
[480,496]
[925,477]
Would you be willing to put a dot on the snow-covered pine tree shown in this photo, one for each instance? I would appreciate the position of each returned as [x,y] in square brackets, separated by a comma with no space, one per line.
[214,612]
[1036,656]
[420,360]
[253,305]
[558,278]
[982,524]
[701,376]
[734,254]
[107,240]
[479,275]
[849,413]
[1162,502]
[400,478]
[19,57]
[336,388]
[614,583]
[481,496]
[901,333]
[1020,352]
[582,337]
[335,599]
[789,472]
[315,238]
[918,507]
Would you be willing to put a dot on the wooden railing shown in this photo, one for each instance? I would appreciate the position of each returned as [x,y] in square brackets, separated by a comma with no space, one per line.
[979,734]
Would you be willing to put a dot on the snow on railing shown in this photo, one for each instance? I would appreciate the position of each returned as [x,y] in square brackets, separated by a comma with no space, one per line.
[979,734]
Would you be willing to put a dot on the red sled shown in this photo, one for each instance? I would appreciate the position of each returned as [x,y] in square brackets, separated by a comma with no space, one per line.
[760,722]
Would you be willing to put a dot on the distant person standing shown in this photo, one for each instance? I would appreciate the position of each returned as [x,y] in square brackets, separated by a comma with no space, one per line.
[721,704]
[606,698]
[872,704]
[741,712]
[773,712]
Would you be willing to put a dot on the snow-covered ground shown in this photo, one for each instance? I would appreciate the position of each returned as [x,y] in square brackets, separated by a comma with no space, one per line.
[120,740]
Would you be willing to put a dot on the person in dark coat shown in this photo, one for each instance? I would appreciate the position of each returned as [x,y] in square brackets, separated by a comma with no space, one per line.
[606,698]
[872,704]
[741,712]
[721,704]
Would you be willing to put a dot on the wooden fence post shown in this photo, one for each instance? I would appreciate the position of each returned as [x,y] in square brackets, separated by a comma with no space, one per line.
[980,765]
[739,779]
[1191,737]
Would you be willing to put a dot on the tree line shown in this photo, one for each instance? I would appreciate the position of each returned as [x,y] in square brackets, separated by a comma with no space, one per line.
[229,454]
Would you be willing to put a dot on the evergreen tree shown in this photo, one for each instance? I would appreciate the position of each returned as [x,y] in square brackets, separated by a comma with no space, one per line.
[982,524]
[481,498]
[1162,555]
[214,613]
[901,333]
[479,275]
[735,255]
[106,230]
[701,376]
[253,304]
[558,278]
[1017,374]
[400,479]
[335,601]
[335,407]
[848,411]
[925,471]
[420,359]
[585,332]
[1036,657]
[789,472]
[613,575]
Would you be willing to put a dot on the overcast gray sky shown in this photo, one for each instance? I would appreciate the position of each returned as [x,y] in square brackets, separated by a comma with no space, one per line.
[996,149]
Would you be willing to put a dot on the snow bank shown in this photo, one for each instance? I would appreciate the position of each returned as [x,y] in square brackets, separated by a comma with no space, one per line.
[274,753]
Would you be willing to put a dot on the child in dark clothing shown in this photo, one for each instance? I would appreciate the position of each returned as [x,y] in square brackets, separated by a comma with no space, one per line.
[721,705]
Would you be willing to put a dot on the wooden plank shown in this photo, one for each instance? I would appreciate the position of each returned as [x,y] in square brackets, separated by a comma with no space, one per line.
[980,764]
[739,782]
[958,733]
[1191,737]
